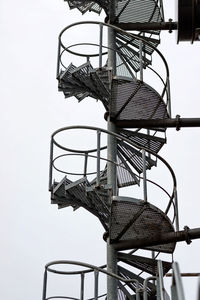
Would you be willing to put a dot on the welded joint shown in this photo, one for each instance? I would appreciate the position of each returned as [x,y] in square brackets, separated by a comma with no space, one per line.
[178,126]
[187,236]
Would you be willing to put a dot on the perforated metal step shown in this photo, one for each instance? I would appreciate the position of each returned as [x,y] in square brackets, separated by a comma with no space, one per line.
[145,264]
[134,157]
[84,81]
[67,193]
[135,100]
[151,288]
[136,219]
[148,141]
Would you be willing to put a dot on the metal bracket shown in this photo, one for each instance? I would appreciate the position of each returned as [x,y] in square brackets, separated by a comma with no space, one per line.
[187,236]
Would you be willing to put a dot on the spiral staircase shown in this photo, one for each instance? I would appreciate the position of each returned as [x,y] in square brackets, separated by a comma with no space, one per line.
[125,95]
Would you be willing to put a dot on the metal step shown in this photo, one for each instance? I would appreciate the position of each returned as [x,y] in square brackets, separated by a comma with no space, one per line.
[138,11]
[151,288]
[135,100]
[135,43]
[145,264]
[149,141]
[134,157]
[67,193]
[85,5]
[135,219]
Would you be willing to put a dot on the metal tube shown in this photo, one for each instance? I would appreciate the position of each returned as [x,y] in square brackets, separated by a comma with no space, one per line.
[100,44]
[98,156]
[160,279]
[148,26]
[145,296]
[58,59]
[144,175]
[176,210]
[82,286]
[44,285]
[162,123]
[141,61]
[163,239]
[50,165]
[85,164]
[177,282]
[96,284]
[169,98]
[111,153]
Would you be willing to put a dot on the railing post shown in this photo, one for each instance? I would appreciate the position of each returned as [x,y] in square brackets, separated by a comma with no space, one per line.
[169,98]
[96,284]
[98,156]
[141,61]
[82,286]
[58,59]
[177,287]
[44,285]
[50,164]
[100,44]
[176,209]
[161,289]
[85,164]
[144,175]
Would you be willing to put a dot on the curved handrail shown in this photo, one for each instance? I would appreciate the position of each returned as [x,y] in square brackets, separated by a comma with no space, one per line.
[62,48]
[92,268]
[121,138]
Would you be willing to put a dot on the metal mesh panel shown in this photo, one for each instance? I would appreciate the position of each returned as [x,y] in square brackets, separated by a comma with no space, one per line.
[152,222]
[146,264]
[153,143]
[138,11]
[145,104]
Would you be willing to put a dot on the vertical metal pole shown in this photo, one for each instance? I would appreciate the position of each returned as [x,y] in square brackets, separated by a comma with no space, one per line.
[111,146]
[44,286]
[50,164]
[176,210]
[85,164]
[144,175]
[169,98]
[58,59]
[96,284]
[100,44]
[141,61]
[98,157]
[82,286]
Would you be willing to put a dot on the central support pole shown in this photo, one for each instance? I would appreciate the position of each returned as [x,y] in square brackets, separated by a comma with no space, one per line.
[111,172]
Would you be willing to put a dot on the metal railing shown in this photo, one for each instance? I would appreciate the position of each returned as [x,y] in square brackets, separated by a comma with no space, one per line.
[96,154]
[82,275]
[127,59]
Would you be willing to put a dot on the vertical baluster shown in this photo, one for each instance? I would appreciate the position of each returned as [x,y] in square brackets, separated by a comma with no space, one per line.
[144,175]
[82,286]
[44,285]
[176,209]
[96,284]
[85,164]
[50,165]
[100,44]
[58,59]
[169,98]
[98,157]
[141,61]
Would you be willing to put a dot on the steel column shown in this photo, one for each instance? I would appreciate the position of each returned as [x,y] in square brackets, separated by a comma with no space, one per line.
[111,153]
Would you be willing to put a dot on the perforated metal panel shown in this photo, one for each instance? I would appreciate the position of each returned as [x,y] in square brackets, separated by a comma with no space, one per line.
[135,100]
[141,221]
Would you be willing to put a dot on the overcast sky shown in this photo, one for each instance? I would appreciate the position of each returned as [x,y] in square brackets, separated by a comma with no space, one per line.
[34,232]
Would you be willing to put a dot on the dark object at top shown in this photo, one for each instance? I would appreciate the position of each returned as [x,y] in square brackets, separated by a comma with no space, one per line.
[188,20]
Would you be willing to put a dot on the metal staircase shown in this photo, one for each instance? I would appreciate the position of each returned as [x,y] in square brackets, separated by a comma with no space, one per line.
[121,84]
